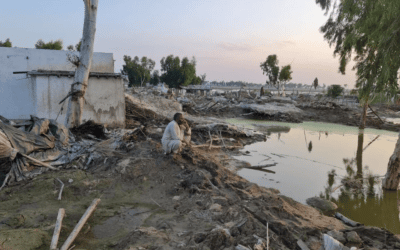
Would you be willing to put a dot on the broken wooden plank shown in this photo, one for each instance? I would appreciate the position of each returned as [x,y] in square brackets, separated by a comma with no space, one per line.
[347,220]
[262,170]
[264,166]
[57,229]
[80,224]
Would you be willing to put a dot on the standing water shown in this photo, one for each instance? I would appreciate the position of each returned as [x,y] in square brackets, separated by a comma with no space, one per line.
[332,161]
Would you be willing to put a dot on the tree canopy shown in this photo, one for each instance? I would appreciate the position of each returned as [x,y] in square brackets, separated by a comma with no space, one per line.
[155,77]
[370,30]
[138,70]
[6,43]
[54,45]
[315,83]
[176,73]
[335,90]
[76,48]
[271,69]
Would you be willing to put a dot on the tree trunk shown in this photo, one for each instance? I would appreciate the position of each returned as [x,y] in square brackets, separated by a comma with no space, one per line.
[78,88]
[391,180]
[359,153]
[279,94]
[364,115]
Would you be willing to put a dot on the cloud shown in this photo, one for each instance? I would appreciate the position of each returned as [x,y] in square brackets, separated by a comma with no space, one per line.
[234,47]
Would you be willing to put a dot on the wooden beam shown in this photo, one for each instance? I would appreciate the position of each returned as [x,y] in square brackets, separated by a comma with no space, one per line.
[57,229]
[80,224]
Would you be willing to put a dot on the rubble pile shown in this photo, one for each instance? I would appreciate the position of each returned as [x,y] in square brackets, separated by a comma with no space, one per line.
[89,130]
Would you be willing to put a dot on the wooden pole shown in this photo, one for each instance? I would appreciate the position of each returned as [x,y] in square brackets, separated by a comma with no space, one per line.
[80,224]
[57,229]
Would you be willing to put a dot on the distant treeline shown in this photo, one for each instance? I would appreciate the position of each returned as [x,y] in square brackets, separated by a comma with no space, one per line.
[247,84]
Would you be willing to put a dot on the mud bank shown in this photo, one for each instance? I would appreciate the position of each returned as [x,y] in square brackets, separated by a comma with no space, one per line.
[153,201]
[294,108]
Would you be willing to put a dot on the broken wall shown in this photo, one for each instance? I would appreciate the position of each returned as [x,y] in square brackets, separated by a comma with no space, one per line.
[17,91]
[104,99]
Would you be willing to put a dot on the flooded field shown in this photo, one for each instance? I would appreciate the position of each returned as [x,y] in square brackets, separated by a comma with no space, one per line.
[328,160]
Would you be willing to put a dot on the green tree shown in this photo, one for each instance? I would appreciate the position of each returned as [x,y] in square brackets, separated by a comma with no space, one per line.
[271,69]
[76,48]
[335,90]
[155,77]
[53,45]
[285,75]
[368,28]
[315,83]
[7,43]
[138,70]
[170,66]
[188,71]
[178,73]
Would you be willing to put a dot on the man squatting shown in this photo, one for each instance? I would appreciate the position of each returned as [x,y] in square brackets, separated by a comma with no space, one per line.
[176,135]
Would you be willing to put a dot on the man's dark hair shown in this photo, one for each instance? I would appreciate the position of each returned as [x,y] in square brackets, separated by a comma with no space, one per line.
[177,116]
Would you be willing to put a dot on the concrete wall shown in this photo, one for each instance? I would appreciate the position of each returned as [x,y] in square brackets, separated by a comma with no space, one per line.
[104,99]
[17,92]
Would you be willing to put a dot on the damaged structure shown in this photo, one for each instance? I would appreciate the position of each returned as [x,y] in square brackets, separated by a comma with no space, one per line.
[34,82]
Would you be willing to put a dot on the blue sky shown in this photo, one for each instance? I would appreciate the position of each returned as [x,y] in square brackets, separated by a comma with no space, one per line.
[228,38]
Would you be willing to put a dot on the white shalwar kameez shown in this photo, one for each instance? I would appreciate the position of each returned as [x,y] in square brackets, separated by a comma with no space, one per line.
[172,138]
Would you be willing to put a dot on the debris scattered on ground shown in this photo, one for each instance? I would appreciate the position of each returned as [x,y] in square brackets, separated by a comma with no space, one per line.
[89,130]
[192,200]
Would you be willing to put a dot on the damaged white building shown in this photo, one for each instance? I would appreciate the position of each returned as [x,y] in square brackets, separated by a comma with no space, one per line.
[33,82]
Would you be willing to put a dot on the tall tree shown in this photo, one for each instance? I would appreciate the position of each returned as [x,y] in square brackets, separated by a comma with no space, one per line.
[170,66]
[80,84]
[285,75]
[53,45]
[271,69]
[178,73]
[155,77]
[7,43]
[314,84]
[368,28]
[138,70]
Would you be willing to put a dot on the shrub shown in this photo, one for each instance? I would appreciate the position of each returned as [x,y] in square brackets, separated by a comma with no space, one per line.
[335,90]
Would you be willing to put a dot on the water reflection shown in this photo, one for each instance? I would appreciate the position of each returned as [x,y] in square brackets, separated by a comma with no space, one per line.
[361,197]
[301,174]
[309,144]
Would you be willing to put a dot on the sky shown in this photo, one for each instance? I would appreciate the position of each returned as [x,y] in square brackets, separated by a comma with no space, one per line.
[228,38]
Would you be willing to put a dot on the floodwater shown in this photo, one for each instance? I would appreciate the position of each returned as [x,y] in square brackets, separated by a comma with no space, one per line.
[331,161]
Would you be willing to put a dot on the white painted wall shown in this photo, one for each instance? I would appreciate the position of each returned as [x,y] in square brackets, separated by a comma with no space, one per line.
[17,92]
[104,99]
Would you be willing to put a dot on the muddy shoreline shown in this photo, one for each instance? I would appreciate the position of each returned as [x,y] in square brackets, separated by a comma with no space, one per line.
[193,200]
